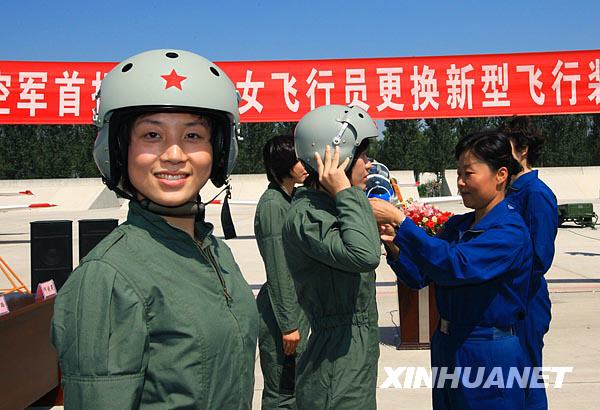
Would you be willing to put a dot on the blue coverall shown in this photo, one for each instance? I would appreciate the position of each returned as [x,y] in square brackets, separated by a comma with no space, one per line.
[482,275]
[537,205]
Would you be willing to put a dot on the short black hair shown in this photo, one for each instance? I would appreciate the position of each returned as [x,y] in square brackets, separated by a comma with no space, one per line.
[492,147]
[524,134]
[279,157]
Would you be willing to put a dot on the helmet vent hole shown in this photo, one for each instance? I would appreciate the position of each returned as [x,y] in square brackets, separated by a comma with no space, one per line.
[126,67]
[214,71]
[360,115]
[172,55]
[345,111]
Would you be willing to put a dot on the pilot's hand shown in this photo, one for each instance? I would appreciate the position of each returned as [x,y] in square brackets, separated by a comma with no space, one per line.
[331,173]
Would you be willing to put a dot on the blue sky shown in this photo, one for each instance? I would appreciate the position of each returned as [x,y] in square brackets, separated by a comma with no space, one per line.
[68,30]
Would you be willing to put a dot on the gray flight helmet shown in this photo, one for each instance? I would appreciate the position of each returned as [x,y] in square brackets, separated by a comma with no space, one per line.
[334,125]
[165,81]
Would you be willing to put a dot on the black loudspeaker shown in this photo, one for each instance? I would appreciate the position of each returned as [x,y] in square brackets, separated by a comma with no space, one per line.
[51,252]
[92,231]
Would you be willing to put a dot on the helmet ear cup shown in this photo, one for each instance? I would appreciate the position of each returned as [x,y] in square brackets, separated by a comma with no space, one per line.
[110,150]
[120,126]
[221,145]
[218,158]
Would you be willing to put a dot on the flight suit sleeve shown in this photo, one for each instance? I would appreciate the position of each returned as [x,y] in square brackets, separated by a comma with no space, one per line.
[491,254]
[542,214]
[350,244]
[268,230]
[99,330]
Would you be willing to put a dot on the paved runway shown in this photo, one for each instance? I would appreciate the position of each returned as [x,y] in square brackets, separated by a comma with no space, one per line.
[574,284]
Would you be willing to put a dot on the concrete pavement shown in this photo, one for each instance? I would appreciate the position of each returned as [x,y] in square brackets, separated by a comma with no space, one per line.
[574,284]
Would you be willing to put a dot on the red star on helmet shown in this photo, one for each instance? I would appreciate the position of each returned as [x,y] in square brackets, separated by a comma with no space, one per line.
[173,79]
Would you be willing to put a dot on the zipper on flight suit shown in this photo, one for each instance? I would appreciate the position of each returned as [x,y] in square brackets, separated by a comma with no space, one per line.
[209,256]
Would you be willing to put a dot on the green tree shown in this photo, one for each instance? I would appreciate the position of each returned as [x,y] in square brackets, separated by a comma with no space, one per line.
[567,141]
[466,126]
[46,151]
[402,145]
[442,136]
[255,135]
[16,156]
[594,139]
[65,151]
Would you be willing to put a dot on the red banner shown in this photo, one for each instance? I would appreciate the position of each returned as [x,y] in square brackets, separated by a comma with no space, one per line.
[388,88]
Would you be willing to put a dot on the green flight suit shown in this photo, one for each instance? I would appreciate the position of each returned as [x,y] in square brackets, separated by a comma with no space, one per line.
[153,319]
[277,302]
[333,248]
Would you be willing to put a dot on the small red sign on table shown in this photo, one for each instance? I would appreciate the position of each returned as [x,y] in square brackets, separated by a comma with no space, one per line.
[3,306]
[45,290]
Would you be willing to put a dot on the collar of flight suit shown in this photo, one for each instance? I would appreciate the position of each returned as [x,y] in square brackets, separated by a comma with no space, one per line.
[523,180]
[157,225]
[277,187]
[493,218]
[315,196]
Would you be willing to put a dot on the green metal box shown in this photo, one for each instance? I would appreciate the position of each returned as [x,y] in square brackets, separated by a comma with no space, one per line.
[582,214]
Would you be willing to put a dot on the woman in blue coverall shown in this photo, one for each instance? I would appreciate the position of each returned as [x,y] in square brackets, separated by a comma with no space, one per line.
[536,203]
[481,265]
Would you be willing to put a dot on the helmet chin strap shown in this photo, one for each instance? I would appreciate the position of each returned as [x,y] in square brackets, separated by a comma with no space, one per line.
[192,208]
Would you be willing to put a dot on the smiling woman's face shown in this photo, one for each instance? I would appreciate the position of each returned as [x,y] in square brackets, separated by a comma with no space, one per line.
[477,183]
[170,157]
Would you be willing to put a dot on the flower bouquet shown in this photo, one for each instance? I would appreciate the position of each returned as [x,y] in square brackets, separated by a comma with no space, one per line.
[426,216]
[381,185]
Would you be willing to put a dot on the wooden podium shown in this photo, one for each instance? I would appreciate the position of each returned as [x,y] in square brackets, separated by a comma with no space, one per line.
[29,364]
[418,316]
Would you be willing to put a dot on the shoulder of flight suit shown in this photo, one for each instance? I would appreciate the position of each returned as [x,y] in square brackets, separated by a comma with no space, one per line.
[341,232]
[100,331]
